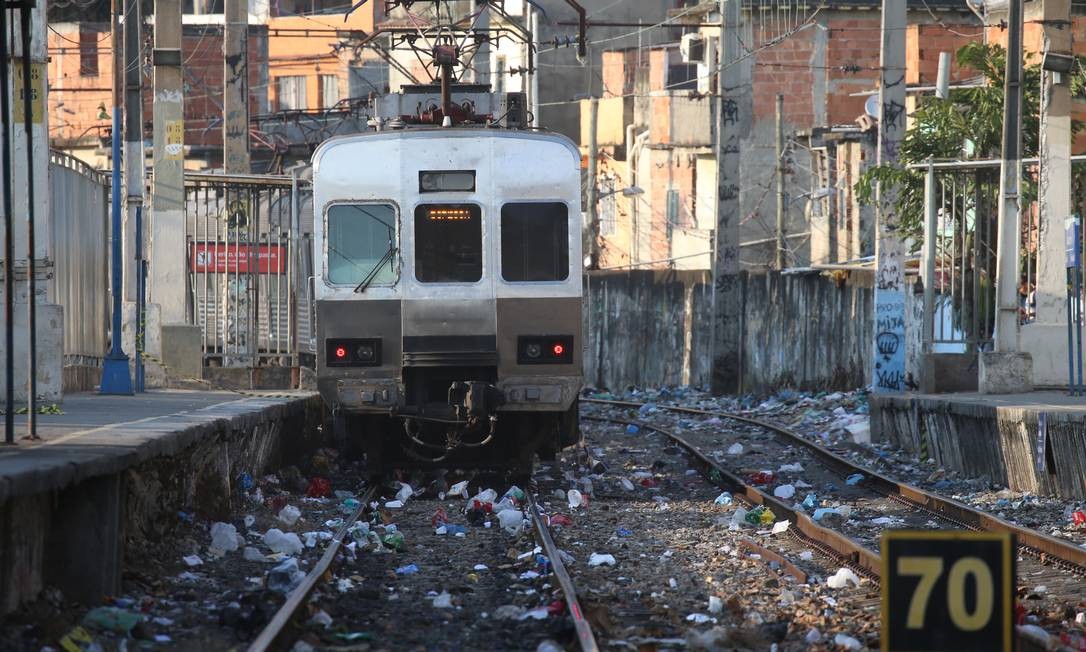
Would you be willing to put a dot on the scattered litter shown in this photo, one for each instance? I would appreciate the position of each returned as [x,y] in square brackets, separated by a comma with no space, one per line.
[289,515]
[854,479]
[112,619]
[509,612]
[404,493]
[286,543]
[632,429]
[735,449]
[193,560]
[791,468]
[443,601]
[459,489]
[723,499]
[409,569]
[806,555]
[847,642]
[813,636]
[318,487]
[394,504]
[626,484]
[716,605]
[780,526]
[512,521]
[321,618]
[841,578]
[285,576]
[785,491]
[252,554]
[623,532]
[597,559]
[700,619]
[560,520]
[224,537]
[810,501]
[760,515]
[539,613]
[575,498]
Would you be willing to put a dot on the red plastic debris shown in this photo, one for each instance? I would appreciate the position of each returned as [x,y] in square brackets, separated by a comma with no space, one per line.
[486,507]
[439,518]
[649,482]
[556,608]
[561,519]
[318,487]
[1078,518]
[1020,614]
[276,503]
[762,477]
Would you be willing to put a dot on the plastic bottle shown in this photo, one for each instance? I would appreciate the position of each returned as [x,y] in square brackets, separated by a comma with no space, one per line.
[287,543]
[575,498]
[224,537]
[289,515]
[511,520]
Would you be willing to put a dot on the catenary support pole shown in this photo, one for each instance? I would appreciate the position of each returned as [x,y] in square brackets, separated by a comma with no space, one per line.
[888,370]
[236,87]
[9,236]
[733,121]
[1006,326]
[592,186]
[31,289]
[782,204]
[116,377]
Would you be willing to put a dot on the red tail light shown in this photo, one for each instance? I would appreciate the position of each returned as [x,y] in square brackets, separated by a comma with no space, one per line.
[341,353]
[558,350]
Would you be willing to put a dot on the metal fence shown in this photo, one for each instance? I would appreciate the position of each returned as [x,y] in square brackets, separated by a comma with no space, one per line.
[243,238]
[79,204]
[960,244]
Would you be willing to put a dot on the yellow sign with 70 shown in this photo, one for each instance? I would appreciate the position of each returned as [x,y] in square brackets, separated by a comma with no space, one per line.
[947,590]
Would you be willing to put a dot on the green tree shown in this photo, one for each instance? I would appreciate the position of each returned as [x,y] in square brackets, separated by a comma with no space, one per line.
[966,126]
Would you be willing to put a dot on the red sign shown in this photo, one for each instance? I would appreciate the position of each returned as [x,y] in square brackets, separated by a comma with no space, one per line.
[220,258]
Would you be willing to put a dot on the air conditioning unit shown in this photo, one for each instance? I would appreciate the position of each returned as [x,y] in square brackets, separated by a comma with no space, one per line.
[692,48]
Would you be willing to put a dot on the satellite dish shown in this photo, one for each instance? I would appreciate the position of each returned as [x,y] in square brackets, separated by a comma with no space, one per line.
[871,108]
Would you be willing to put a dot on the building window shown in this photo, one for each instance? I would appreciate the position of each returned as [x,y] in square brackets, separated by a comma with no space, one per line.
[329,91]
[535,242]
[672,211]
[608,204]
[362,244]
[291,93]
[88,54]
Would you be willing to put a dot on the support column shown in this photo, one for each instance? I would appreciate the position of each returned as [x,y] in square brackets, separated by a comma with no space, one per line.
[173,341]
[1045,339]
[733,122]
[236,88]
[888,370]
[1007,370]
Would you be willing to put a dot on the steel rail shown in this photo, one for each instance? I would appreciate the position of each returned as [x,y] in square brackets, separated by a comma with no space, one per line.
[585,637]
[273,632]
[948,508]
[830,542]
[870,561]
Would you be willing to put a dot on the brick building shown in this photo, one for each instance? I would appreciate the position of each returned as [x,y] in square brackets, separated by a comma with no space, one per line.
[825,66]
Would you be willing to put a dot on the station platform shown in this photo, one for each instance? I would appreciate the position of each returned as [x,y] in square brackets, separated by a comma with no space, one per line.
[108,466]
[1033,442]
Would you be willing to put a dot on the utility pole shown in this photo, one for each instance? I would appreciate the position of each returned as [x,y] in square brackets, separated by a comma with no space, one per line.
[593,157]
[888,372]
[236,87]
[116,377]
[1005,370]
[781,199]
[133,138]
[9,235]
[733,118]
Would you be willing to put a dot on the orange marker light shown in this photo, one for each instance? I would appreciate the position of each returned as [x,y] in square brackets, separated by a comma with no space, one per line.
[341,352]
[559,349]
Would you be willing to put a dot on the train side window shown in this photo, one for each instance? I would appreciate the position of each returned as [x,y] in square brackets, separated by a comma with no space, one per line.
[535,242]
[362,244]
[448,243]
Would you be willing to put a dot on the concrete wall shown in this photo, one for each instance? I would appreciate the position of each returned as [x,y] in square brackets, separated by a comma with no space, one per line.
[809,331]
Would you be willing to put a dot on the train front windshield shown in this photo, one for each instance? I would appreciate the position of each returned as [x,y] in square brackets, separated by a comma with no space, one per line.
[448,243]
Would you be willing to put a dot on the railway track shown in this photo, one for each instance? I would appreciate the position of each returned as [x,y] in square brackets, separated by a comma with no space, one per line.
[287,623]
[1058,565]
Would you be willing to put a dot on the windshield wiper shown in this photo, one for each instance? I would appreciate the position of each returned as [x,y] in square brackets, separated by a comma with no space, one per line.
[376,269]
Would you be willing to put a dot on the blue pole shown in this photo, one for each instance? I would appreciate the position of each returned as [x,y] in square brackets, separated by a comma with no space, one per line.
[116,378]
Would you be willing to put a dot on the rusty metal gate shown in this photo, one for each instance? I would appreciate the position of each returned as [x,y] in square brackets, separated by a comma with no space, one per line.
[242,243]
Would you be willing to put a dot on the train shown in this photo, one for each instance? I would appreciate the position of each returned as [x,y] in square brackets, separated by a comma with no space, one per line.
[448,294]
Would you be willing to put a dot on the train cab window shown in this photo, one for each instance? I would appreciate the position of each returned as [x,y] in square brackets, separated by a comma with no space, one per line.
[535,242]
[362,244]
[448,243]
